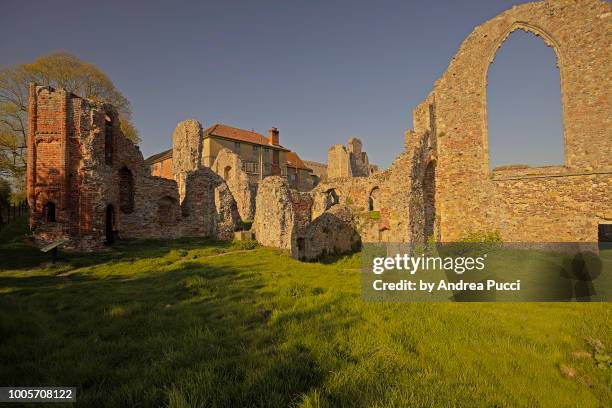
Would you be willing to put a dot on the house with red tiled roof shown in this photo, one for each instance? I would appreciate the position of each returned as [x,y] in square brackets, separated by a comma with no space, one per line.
[261,156]
[299,175]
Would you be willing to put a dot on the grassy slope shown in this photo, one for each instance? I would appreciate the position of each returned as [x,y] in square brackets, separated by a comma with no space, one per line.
[174,323]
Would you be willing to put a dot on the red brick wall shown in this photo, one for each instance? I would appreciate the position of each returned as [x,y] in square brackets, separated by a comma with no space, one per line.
[47,179]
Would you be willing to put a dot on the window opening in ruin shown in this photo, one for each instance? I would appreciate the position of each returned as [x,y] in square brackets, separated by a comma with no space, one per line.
[226,172]
[429,200]
[331,198]
[49,211]
[373,199]
[108,140]
[126,191]
[110,224]
[525,121]
[165,211]
[383,235]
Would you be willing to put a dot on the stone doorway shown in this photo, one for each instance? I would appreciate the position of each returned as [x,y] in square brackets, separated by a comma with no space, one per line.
[110,224]
[301,249]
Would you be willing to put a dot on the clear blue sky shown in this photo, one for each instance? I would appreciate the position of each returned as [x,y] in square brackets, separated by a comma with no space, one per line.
[320,71]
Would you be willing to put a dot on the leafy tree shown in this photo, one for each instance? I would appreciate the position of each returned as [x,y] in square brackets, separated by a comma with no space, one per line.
[58,70]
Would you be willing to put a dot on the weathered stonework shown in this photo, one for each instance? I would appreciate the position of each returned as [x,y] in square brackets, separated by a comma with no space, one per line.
[332,232]
[564,203]
[284,219]
[88,183]
[229,166]
[349,161]
[281,211]
[384,217]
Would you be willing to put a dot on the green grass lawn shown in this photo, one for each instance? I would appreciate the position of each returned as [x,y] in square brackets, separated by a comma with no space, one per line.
[202,323]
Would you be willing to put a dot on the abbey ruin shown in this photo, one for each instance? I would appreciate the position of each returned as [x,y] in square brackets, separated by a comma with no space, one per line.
[89,184]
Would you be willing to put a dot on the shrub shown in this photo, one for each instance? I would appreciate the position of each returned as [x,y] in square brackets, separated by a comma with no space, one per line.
[493,237]
[375,215]
[247,244]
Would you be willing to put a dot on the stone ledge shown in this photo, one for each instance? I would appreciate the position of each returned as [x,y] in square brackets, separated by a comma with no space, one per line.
[495,177]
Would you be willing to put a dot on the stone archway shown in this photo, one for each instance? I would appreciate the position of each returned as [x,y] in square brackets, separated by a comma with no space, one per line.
[550,42]
[516,201]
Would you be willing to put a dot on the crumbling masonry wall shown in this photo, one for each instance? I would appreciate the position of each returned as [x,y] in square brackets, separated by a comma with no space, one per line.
[88,183]
[525,204]
[349,161]
[281,212]
[385,218]
[229,166]
[284,219]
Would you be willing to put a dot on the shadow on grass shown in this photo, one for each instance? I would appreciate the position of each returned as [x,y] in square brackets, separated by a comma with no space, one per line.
[193,335]
[18,253]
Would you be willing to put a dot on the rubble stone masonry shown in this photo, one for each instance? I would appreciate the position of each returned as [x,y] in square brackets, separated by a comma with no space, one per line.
[88,183]
[564,203]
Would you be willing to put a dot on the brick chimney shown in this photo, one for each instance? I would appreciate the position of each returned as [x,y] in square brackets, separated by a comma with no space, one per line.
[273,136]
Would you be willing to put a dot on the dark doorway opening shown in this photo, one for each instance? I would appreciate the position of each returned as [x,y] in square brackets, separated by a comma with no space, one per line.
[110,224]
[301,248]
[49,212]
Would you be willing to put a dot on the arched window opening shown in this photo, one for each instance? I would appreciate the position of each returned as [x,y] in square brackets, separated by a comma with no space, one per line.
[126,191]
[49,211]
[429,200]
[525,121]
[108,140]
[383,234]
[331,198]
[226,172]
[373,201]
[166,210]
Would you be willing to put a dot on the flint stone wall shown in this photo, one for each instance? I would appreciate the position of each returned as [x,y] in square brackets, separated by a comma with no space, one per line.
[391,220]
[564,203]
[333,232]
[348,161]
[281,212]
[79,161]
[229,166]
